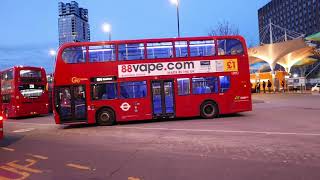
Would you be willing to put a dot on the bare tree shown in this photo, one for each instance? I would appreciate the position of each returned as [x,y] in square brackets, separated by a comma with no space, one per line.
[224,28]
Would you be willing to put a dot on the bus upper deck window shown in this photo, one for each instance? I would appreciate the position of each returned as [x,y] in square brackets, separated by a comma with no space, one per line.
[102,53]
[8,75]
[230,47]
[129,52]
[74,55]
[181,48]
[160,50]
[202,48]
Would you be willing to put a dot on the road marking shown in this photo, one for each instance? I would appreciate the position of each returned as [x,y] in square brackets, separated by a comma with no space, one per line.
[23,130]
[14,174]
[133,178]
[77,166]
[39,156]
[224,131]
[25,167]
[30,123]
[13,170]
[8,149]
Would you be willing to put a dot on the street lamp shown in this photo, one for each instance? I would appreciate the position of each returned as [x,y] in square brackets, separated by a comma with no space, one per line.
[177,3]
[53,54]
[107,29]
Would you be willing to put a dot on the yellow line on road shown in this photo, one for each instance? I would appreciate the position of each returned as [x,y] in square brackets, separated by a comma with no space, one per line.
[39,156]
[133,178]
[8,149]
[77,166]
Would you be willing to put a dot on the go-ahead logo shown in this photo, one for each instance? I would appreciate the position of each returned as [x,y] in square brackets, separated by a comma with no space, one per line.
[152,67]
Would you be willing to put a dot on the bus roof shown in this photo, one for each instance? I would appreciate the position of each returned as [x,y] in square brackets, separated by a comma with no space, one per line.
[22,67]
[72,44]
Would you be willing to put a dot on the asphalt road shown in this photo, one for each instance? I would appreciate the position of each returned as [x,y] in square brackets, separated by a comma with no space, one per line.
[280,139]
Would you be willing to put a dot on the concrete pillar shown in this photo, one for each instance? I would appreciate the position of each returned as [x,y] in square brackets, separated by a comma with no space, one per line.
[273,74]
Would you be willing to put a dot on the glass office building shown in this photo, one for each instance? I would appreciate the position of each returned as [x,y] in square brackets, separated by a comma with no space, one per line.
[301,16]
[73,23]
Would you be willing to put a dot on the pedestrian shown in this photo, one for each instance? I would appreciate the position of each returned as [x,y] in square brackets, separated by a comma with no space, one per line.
[258,87]
[269,86]
[264,86]
[283,86]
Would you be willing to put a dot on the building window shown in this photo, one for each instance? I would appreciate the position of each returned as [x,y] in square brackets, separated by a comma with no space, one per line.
[102,53]
[204,85]
[133,89]
[183,86]
[104,91]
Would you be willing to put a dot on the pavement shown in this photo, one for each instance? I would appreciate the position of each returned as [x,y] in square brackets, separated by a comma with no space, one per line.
[279,139]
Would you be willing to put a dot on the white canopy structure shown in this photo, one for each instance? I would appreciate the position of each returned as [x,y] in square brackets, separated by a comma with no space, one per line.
[286,53]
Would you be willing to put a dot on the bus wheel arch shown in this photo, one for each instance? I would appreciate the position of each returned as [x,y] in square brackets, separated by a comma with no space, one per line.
[209,109]
[105,116]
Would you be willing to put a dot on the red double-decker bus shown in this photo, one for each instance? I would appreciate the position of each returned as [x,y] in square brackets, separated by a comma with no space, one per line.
[114,81]
[24,92]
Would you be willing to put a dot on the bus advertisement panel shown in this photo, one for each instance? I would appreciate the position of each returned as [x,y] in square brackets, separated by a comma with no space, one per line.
[114,81]
[24,92]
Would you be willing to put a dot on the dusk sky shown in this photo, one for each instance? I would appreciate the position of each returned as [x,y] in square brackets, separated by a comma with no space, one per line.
[30,28]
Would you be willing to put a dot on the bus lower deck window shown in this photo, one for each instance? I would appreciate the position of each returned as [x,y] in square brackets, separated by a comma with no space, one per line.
[204,85]
[183,86]
[224,83]
[133,89]
[104,91]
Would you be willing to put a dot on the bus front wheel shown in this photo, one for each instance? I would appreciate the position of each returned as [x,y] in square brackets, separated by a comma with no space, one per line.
[208,110]
[105,117]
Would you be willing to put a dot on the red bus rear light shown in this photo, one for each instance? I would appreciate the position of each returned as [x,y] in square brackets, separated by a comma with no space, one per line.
[1,118]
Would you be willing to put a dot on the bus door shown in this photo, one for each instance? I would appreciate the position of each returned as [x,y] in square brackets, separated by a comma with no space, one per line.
[163,99]
[71,103]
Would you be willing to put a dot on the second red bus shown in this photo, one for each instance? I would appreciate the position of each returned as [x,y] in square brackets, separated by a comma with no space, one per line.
[24,91]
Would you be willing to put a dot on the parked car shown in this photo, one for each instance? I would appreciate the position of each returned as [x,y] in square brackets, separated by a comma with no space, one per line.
[316,88]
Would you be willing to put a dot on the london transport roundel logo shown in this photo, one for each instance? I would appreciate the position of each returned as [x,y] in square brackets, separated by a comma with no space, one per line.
[125,106]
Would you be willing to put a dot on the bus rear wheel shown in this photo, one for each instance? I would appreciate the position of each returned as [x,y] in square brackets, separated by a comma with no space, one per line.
[105,117]
[209,110]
